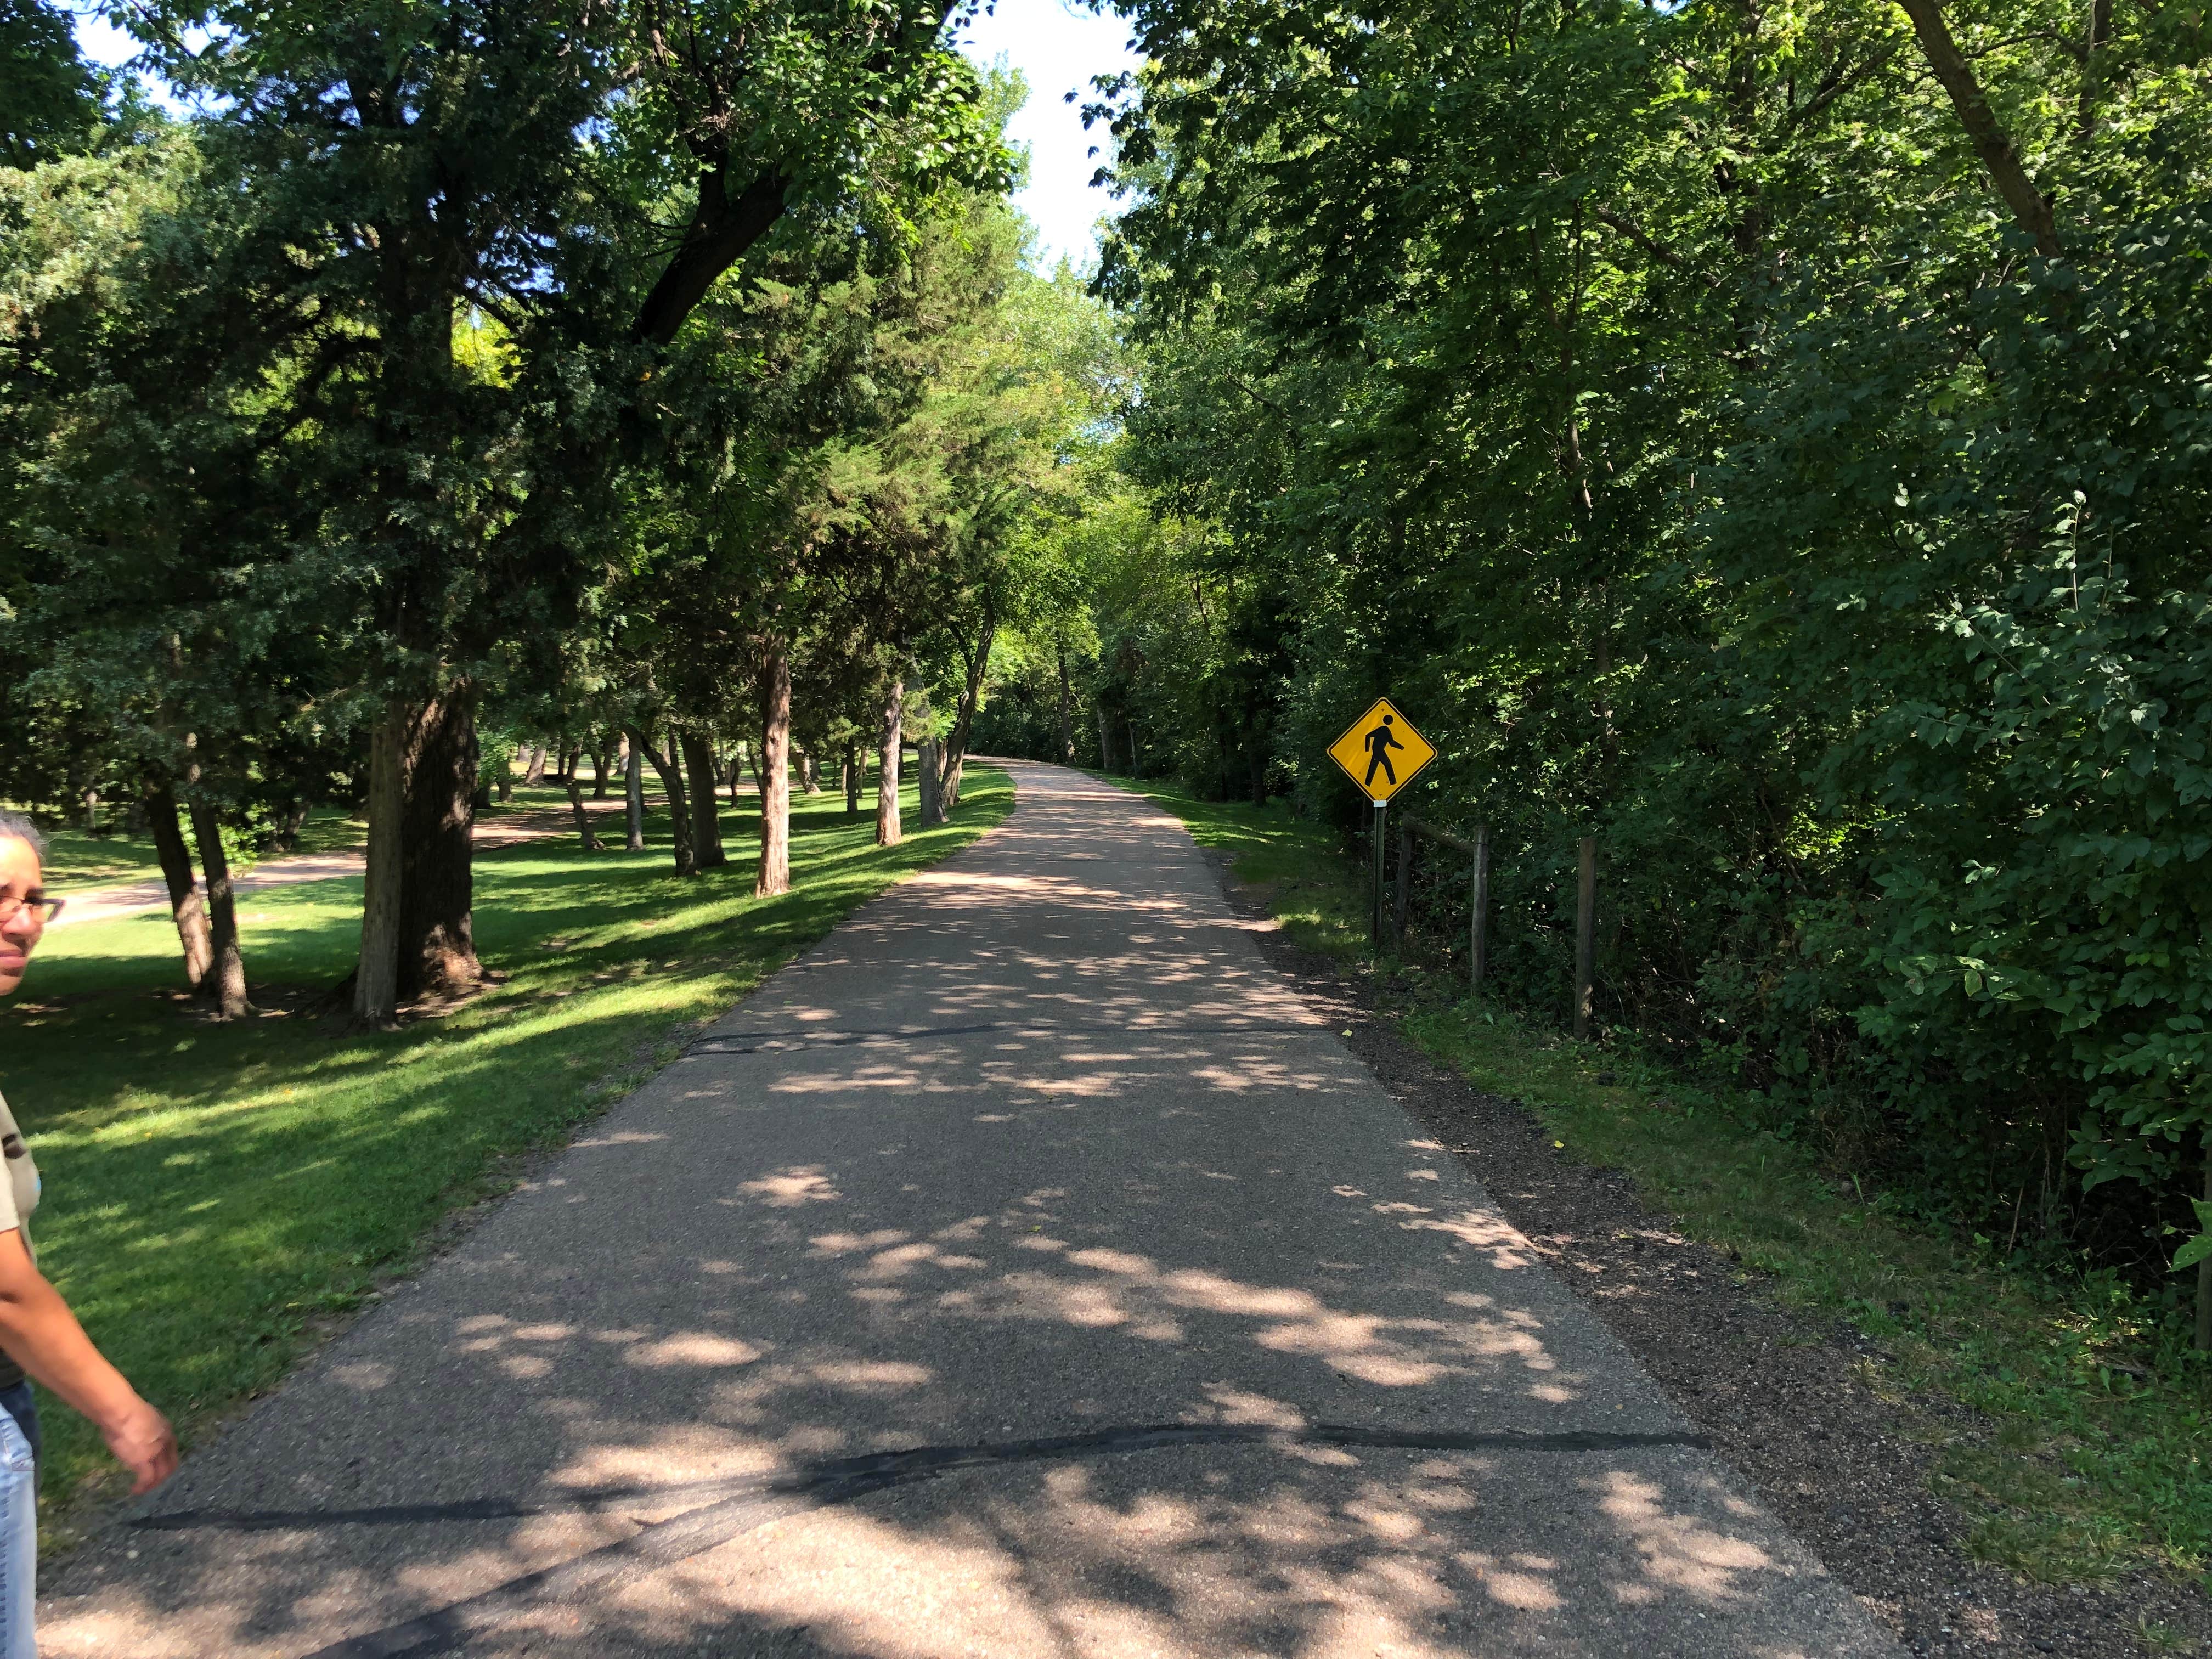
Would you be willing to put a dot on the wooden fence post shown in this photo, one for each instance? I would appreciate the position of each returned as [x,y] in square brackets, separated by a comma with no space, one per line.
[1402,899]
[1585,931]
[1478,941]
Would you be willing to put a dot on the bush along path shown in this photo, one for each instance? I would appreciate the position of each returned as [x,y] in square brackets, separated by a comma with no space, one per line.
[220,1196]
[1993,1460]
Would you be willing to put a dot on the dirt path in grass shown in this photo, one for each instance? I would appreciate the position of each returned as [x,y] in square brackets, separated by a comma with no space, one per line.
[508,830]
[1028,1269]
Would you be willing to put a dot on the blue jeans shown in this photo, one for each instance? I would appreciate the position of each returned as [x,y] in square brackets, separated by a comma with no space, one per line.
[19,1521]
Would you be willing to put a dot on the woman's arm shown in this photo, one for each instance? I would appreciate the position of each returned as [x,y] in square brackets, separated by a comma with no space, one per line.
[40,1333]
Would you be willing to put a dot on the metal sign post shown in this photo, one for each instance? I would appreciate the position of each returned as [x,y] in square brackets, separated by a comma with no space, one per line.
[1375,921]
[1380,752]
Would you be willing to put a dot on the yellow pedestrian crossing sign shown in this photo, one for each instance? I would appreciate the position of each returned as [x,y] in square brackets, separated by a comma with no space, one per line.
[1381,751]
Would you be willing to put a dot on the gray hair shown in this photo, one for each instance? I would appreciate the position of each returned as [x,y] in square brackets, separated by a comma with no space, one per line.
[14,826]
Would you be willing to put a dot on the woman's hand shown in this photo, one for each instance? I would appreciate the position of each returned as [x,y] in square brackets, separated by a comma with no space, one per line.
[40,1333]
[143,1443]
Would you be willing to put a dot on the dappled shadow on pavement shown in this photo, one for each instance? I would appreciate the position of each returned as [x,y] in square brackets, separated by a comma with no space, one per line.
[1022,1272]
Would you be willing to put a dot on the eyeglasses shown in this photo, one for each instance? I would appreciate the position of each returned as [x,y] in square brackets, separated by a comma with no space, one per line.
[45,909]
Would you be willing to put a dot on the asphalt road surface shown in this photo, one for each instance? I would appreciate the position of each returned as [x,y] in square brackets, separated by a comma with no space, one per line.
[1023,1271]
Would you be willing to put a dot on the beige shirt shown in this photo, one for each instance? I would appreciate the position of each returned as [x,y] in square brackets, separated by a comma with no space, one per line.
[19,1193]
[19,1197]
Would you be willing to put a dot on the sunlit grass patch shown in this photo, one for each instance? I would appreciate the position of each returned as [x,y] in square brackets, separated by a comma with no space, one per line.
[216,1193]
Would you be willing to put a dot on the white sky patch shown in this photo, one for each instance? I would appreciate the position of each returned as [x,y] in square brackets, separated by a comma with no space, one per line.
[1058,48]
[103,43]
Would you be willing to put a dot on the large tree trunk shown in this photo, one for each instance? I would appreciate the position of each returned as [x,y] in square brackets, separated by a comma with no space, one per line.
[534,773]
[851,779]
[376,977]
[706,802]
[634,796]
[955,746]
[1066,711]
[184,890]
[887,775]
[437,880]
[228,968]
[774,774]
[600,770]
[679,805]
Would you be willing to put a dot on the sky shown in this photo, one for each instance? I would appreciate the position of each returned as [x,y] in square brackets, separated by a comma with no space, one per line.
[1056,46]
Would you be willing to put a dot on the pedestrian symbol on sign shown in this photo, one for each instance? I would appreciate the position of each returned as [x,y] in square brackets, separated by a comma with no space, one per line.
[1379,744]
[1382,752]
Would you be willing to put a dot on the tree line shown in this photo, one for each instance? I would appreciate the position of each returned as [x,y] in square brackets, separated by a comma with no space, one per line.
[1773,439]
[666,380]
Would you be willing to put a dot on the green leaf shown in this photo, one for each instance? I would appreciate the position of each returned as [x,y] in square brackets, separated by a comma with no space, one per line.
[2193,1252]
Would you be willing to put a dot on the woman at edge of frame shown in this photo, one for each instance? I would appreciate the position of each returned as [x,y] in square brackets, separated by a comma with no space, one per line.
[39,1337]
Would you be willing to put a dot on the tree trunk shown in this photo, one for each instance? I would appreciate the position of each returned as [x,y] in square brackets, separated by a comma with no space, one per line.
[634,796]
[437,880]
[1066,711]
[1105,741]
[851,779]
[775,773]
[2030,210]
[887,777]
[583,818]
[376,977]
[2204,1268]
[736,771]
[534,773]
[600,770]
[810,771]
[705,801]
[228,966]
[930,803]
[955,745]
[680,806]
[183,891]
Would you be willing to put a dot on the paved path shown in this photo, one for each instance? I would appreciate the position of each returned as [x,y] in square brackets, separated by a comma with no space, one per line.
[1023,1271]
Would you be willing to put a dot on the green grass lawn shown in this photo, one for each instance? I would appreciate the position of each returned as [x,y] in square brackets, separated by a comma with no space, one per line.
[77,860]
[216,1194]
[2091,1459]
